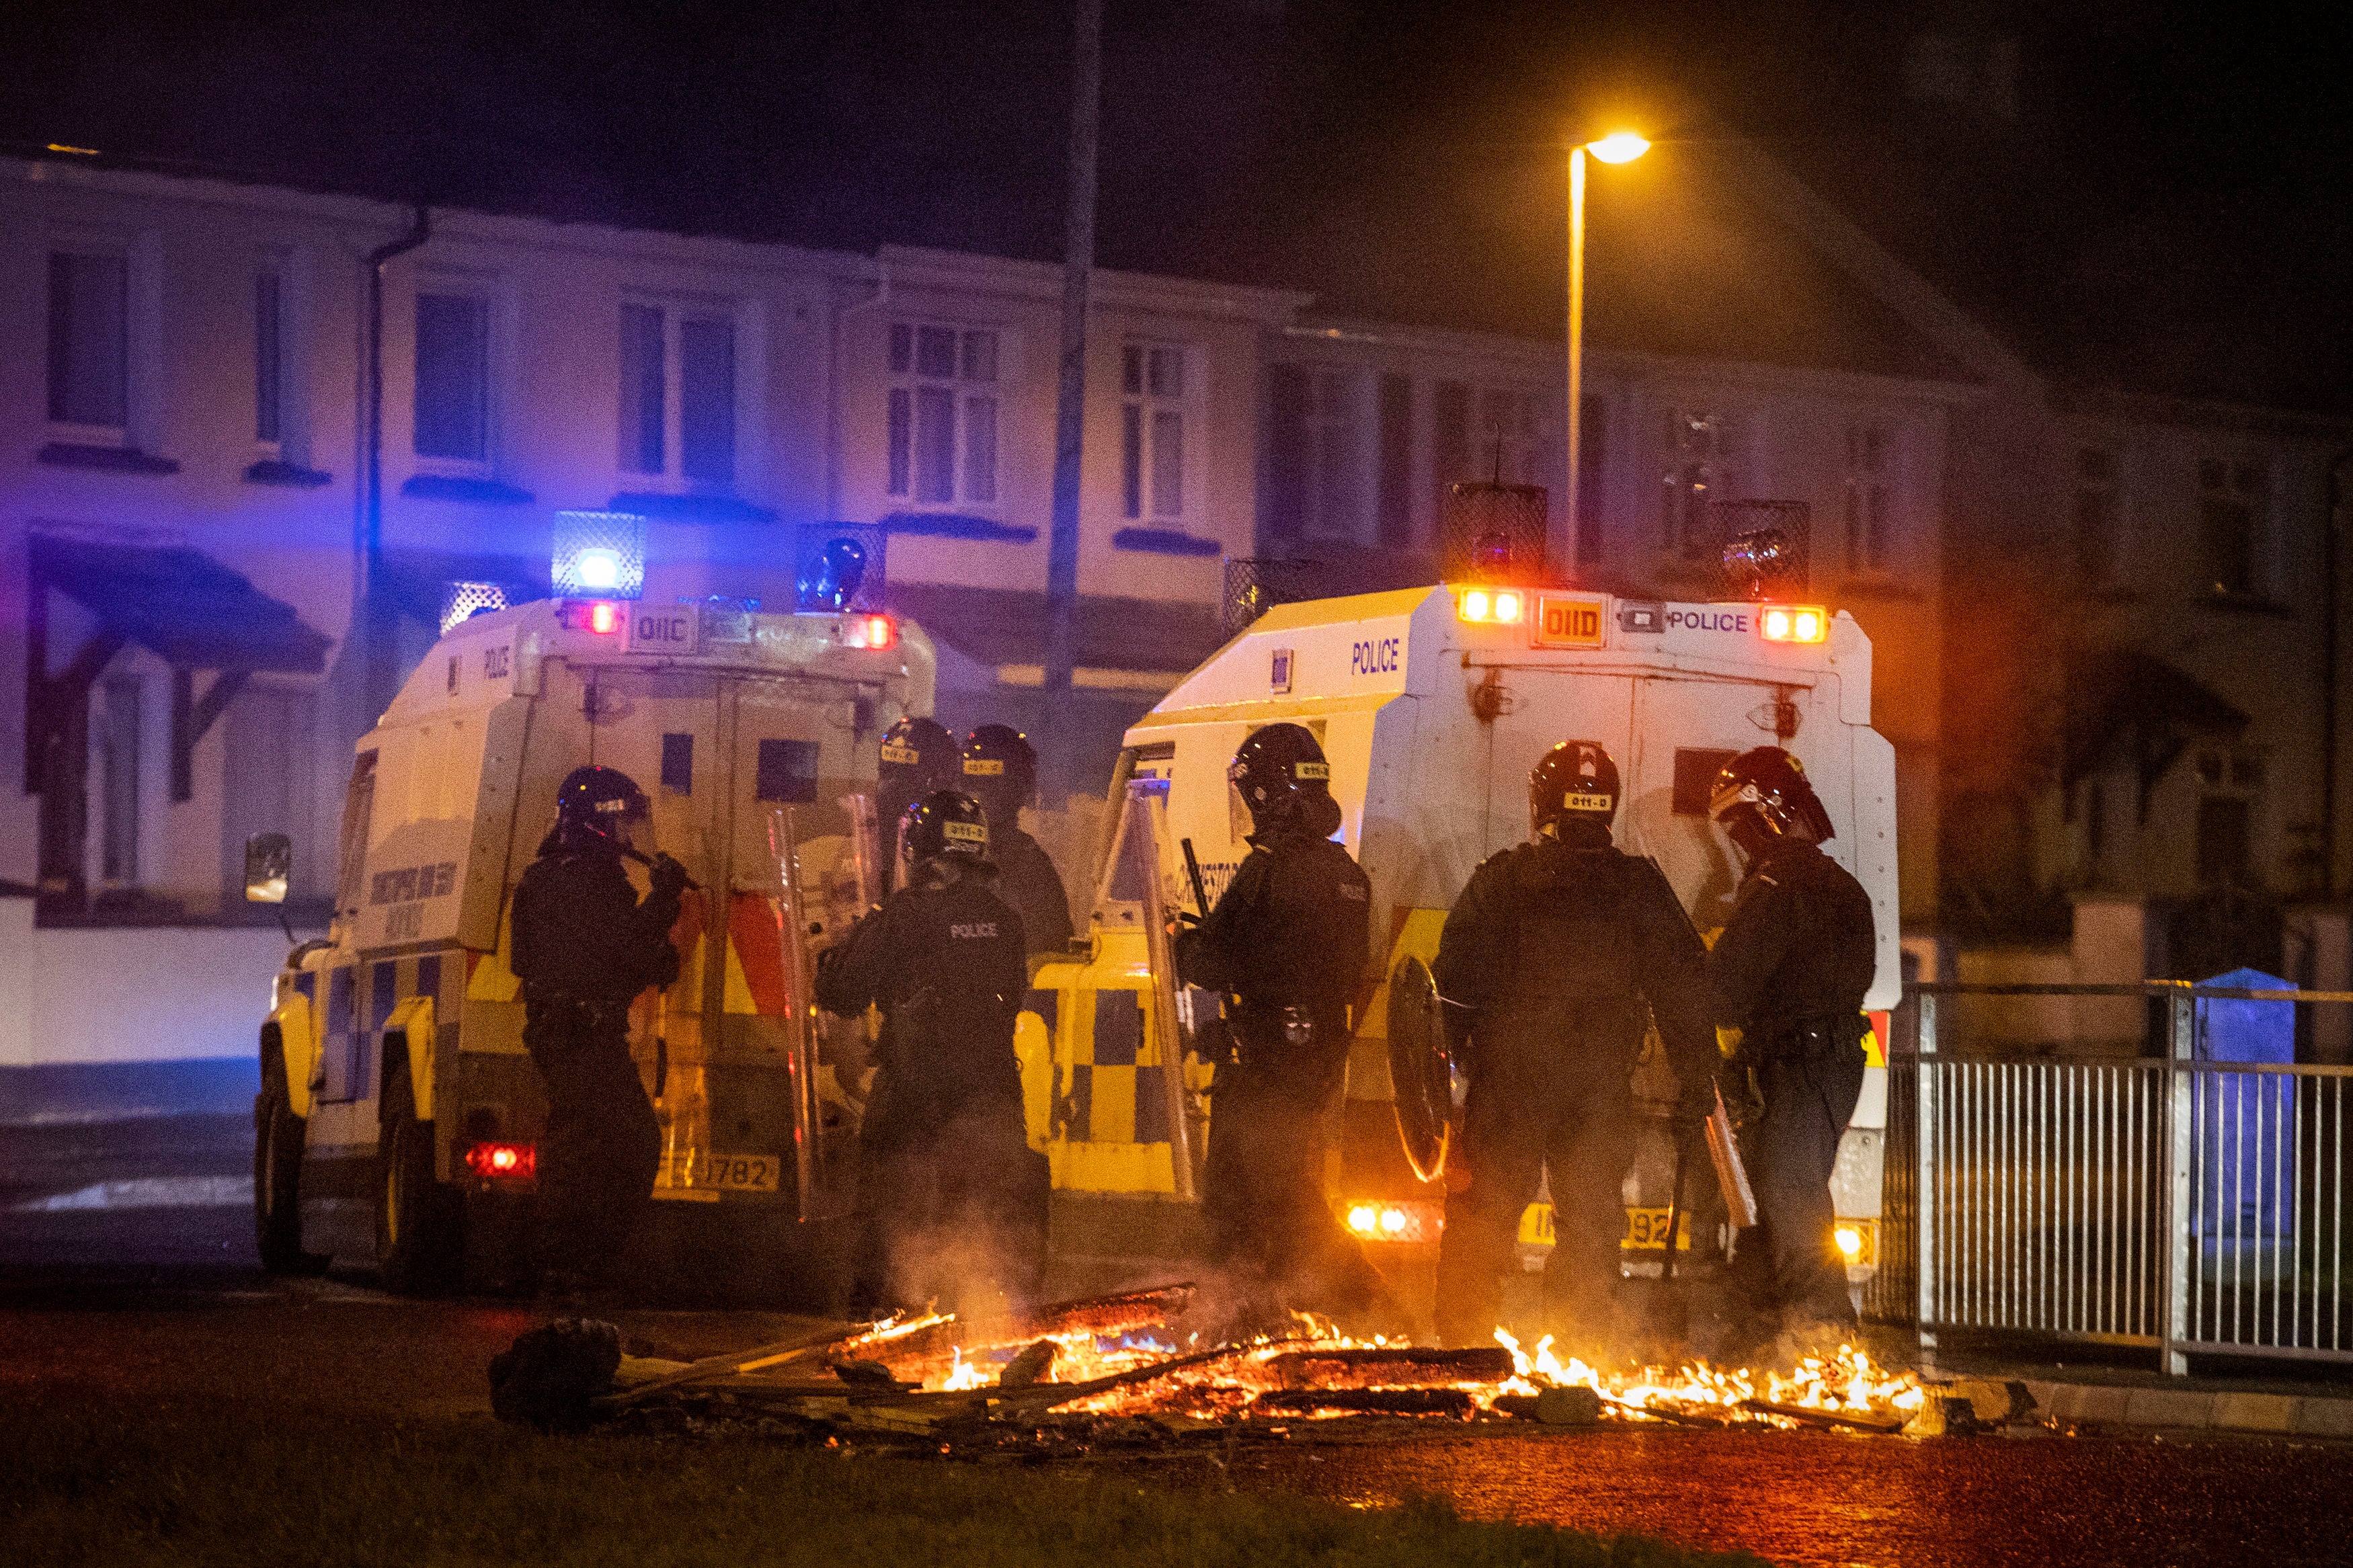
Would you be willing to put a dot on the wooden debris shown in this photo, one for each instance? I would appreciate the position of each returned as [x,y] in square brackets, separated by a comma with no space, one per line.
[1382,1401]
[1030,1366]
[1805,1415]
[1392,1363]
[734,1361]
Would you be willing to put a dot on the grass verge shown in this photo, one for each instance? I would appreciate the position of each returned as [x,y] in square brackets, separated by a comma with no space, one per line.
[159,1483]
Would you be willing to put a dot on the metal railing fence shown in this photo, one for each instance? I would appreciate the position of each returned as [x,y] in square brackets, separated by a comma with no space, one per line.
[2188,1205]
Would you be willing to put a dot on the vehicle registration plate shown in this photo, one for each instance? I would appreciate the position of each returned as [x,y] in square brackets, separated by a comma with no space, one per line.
[712,1174]
[1646,1229]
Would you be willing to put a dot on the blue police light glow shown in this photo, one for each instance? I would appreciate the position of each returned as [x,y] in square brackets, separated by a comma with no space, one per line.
[832,580]
[598,569]
[598,555]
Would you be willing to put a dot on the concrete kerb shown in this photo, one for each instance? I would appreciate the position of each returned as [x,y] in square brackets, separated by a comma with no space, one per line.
[2262,1415]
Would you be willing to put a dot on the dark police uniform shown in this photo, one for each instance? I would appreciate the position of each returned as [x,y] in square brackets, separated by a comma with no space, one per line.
[583,948]
[1789,972]
[1286,944]
[945,1187]
[1027,880]
[1554,947]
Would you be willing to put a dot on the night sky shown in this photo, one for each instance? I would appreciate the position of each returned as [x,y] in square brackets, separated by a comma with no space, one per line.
[2157,198]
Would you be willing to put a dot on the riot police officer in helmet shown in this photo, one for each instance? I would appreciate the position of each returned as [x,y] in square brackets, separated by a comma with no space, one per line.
[1551,955]
[1286,945]
[918,758]
[585,947]
[1786,983]
[947,1189]
[999,769]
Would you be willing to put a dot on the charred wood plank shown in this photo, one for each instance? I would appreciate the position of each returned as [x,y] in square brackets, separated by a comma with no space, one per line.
[1476,1364]
[1808,1415]
[1380,1401]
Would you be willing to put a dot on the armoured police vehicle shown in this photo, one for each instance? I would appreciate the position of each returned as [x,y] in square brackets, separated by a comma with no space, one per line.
[1432,705]
[399,1117]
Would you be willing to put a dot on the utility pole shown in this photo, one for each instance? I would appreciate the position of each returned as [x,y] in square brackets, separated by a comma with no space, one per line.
[1070,409]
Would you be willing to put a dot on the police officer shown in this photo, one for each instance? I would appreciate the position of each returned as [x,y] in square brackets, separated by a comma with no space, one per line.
[945,1192]
[919,758]
[1000,771]
[1286,946]
[1551,953]
[1785,982]
[585,946]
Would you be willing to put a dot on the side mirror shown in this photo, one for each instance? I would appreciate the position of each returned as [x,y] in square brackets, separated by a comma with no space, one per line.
[268,862]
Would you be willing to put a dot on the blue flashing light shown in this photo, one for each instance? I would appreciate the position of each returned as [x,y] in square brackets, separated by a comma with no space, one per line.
[598,555]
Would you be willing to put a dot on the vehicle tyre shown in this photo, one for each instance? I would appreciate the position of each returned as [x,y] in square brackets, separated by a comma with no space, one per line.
[419,1223]
[278,1174]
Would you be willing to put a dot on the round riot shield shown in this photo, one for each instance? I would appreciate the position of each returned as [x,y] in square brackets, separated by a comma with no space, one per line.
[1420,1071]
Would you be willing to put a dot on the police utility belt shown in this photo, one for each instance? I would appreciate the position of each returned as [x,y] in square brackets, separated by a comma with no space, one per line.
[1810,1038]
[1262,1026]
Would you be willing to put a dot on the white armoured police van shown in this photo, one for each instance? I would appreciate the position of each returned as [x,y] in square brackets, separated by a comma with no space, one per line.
[398,1115]
[1432,705]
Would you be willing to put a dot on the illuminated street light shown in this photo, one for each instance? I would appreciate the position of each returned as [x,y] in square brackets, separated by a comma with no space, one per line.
[1618,147]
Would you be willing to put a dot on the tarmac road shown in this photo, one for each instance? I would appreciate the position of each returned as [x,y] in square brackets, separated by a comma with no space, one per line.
[122,1268]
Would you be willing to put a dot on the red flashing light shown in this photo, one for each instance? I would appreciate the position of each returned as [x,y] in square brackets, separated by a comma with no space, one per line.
[1794,623]
[874,633]
[514,1162]
[604,619]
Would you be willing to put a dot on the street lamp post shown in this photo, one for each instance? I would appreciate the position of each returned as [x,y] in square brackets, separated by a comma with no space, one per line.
[1619,147]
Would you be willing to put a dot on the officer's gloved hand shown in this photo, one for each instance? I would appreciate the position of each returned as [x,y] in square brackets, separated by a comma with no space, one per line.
[1744,1100]
[667,877]
[1693,1106]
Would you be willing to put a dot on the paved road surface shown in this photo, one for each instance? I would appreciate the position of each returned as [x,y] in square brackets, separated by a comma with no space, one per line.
[88,1259]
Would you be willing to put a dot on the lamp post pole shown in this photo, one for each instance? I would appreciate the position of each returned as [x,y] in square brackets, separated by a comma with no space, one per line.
[1573,407]
[1618,147]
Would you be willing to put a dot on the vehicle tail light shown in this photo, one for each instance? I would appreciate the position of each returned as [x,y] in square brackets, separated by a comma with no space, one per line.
[872,632]
[1376,1221]
[1794,623]
[512,1162]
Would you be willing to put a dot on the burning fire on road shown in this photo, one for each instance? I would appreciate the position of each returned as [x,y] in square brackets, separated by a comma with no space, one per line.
[1128,1365]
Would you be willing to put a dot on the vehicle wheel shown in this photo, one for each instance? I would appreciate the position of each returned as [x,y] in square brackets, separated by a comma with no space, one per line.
[419,1228]
[277,1176]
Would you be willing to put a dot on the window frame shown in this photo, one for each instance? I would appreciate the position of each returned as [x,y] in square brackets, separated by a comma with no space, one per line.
[1142,410]
[123,252]
[677,314]
[1336,488]
[1687,521]
[2258,531]
[1880,481]
[490,294]
[2112,489]
[904,404]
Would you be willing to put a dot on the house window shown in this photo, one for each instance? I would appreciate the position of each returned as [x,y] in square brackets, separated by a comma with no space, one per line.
[677,395]
[2099,513]
[270,356]
[1511,448]
[2231,785]
[2230,499]
[117,775]
[453,377]
[89,341]
[1397,461]
[1702,468]
[1870,475]
[943,414]
[1152,430]
[1333,504]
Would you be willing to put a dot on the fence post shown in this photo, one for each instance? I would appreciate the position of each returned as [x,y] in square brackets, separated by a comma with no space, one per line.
[2182,1049]
[1924,1190]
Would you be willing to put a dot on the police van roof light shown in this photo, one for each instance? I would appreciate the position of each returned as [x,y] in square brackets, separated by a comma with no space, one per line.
[1496,606]
[1794,623]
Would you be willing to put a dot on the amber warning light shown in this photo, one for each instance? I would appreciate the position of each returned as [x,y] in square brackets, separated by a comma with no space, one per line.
[1793,622]
[1497,606]
[513,1160]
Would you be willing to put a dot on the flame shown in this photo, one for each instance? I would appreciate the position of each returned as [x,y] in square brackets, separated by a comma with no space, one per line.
[1845,1382]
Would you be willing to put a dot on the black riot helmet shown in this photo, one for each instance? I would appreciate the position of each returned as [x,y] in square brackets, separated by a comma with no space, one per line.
[944,826]
[596,806]
[1575,782]
[1762,798]
[1000,770]
[919,756]
[1279,776]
